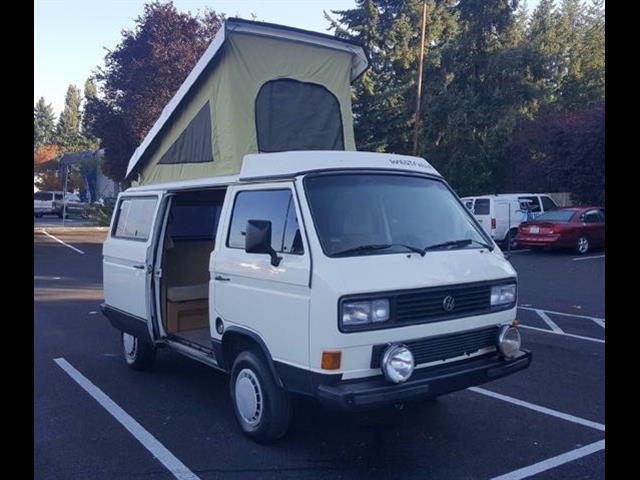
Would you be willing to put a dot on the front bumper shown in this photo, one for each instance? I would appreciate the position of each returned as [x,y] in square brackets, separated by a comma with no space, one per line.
[424,383]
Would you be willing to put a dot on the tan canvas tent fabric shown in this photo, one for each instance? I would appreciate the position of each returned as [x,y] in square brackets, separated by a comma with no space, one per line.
[259,87]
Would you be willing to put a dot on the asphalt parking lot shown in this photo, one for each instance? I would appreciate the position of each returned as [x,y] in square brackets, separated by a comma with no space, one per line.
[546,422]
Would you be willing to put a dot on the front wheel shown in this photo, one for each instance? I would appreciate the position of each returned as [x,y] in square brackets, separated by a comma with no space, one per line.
[261,407]
[582,245]
[137,354]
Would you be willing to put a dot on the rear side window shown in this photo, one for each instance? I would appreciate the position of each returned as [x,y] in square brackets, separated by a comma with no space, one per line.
[548,204]
[275,206]
[135,216]
[482,206]
[57,196]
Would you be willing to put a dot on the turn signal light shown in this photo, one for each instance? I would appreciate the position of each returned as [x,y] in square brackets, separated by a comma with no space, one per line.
[515,323]
[493,223]
[331,360]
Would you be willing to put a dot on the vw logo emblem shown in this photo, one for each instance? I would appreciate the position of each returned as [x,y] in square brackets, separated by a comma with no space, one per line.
[448,303]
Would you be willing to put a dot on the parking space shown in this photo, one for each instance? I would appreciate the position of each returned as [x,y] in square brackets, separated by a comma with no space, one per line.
[94,418]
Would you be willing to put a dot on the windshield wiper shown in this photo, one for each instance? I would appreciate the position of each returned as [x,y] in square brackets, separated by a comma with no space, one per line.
[379,246]
[457,243]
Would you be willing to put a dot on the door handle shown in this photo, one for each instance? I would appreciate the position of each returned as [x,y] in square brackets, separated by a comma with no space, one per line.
[140,267]
[221,278]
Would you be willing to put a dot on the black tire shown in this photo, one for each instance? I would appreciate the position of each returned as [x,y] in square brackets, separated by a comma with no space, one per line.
[137,354]
[510,238]
[583,245]
[265,416]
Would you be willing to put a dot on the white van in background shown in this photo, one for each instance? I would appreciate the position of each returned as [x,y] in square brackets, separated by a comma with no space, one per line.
[500,215]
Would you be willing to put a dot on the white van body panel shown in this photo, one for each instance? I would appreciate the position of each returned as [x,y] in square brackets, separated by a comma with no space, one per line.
[247,291]
[126,284]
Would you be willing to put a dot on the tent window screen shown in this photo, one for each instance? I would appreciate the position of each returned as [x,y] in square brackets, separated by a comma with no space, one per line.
[293,115]
[194,143]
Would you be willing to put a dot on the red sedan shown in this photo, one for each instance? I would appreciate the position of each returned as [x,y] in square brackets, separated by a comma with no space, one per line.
[580,228]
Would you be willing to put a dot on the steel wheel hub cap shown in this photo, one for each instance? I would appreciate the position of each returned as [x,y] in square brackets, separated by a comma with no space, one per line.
[249,399]
[130,344]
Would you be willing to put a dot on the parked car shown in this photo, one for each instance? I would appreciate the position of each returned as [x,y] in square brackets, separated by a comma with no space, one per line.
[501,215]
[580,228]
[43,203]
[355,278]
[74,207]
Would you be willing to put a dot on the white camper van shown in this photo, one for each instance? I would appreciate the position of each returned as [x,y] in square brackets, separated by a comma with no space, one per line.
[500,215]
[356,278]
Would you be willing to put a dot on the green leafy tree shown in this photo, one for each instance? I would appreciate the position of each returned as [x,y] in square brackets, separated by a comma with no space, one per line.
[90,141]
[44,124]
[142,73]
[68,134]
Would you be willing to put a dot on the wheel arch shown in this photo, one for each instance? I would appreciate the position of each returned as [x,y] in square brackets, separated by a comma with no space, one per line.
[235,339]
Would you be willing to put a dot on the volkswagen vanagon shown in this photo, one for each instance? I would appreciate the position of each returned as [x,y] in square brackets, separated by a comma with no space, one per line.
[359,279]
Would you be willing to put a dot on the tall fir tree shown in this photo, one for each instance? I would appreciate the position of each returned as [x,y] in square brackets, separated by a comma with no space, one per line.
[44,124]
[68,134]
[385,97]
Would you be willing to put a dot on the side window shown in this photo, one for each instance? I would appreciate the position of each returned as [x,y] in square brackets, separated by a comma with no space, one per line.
[135,215]
[548,204]
[482,206]
[271,205]
[57,196]
[591,216]
[534,204]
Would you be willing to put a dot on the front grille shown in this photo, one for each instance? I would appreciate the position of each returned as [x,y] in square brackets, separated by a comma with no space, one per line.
[427,305]
[443,347]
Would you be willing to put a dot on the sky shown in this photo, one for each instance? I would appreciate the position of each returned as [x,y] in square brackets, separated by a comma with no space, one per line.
[70,36]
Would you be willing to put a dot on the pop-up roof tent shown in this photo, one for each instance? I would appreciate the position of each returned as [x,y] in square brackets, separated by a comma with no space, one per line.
[258,87]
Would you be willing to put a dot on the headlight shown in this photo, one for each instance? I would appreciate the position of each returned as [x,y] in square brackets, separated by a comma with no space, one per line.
[509,341]
[503,294]
[397,363]
[364,312]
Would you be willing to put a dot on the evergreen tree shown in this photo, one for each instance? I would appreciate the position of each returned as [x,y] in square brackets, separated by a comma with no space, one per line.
[88,117]
[486,81]
[68,134]
[384,102]
[44,124]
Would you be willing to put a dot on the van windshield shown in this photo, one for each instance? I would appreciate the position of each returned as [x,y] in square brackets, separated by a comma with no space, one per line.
[369,214]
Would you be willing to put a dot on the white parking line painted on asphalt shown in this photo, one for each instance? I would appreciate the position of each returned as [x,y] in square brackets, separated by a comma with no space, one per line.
[538,408]
[60,241]
[588,258]
[548,321]
[564,334]
[159,451]
[560,313]
[553,462]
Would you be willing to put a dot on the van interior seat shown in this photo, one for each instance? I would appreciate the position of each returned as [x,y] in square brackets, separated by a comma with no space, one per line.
[186,293]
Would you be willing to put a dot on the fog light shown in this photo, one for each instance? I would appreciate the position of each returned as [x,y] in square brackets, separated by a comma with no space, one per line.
[397,363]
[509,341]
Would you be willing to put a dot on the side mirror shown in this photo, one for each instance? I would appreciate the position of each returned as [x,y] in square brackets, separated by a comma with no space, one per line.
[258,240]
